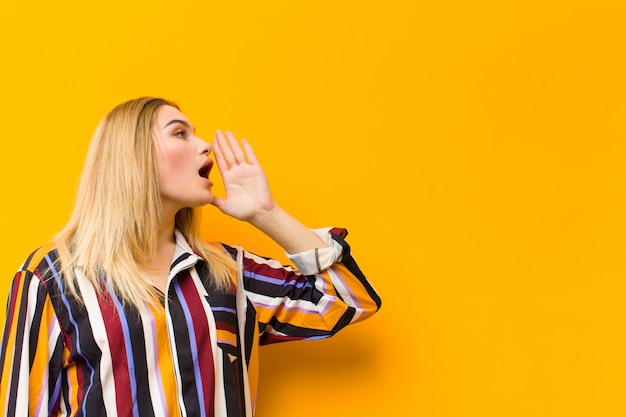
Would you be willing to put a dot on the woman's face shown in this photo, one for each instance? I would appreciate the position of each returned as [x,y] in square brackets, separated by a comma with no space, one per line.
[181,160]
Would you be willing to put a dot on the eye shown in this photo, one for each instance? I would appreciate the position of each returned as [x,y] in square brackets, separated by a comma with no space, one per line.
[180,133]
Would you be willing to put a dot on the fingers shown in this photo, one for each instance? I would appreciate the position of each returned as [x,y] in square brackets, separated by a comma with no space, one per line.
[251,155]
[222,151]
[218,151]
[236,149]
[228,151]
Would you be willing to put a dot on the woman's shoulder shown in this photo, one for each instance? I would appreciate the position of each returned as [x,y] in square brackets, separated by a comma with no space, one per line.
[42,259]
[39,268]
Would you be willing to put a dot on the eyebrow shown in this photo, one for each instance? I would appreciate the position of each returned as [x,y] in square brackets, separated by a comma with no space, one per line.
[182,122]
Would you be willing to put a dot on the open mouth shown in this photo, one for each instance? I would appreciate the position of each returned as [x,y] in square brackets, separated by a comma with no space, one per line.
[206,169]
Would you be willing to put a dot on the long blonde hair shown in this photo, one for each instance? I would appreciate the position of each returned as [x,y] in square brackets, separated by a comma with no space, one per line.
[113,229]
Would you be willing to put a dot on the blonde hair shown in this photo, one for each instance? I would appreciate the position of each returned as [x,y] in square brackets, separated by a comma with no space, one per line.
[113,229]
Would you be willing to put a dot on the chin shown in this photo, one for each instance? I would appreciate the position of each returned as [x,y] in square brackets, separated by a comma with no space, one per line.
[205,201]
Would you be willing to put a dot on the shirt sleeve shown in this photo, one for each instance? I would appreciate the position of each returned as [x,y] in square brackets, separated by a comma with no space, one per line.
[31,345]
[325,292]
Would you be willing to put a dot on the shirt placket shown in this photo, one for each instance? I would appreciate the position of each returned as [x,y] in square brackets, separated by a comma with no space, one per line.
[183,265]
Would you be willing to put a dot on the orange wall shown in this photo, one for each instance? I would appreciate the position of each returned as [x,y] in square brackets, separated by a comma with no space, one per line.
[474,149]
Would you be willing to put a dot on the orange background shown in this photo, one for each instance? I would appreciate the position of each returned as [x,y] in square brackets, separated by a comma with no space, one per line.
[474,149]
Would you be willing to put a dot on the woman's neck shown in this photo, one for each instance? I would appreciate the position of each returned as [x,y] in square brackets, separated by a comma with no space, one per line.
[157,271]
[165,235]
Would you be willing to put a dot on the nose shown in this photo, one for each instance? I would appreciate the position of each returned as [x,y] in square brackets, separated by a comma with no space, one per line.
[204,147]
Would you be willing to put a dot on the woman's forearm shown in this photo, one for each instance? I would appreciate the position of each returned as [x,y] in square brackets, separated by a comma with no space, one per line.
[289,233]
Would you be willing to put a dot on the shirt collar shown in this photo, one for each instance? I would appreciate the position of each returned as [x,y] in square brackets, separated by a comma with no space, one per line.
[184,255]
[182,246]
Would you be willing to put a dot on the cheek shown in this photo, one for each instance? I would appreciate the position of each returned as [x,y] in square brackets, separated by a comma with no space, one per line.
[170,161]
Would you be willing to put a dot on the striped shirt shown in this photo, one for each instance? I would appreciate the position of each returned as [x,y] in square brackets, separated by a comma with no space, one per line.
[196,355]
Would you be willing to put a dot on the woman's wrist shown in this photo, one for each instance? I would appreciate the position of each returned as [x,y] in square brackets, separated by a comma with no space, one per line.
[285,230]
[268,217]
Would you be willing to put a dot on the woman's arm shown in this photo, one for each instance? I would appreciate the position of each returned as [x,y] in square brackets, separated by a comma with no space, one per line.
[32,347]
[248,197]
[326,292]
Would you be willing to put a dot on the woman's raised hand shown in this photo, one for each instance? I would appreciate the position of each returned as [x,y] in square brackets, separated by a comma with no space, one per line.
[248,195]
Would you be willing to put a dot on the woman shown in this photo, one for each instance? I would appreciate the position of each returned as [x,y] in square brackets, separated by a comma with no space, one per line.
[129,312]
